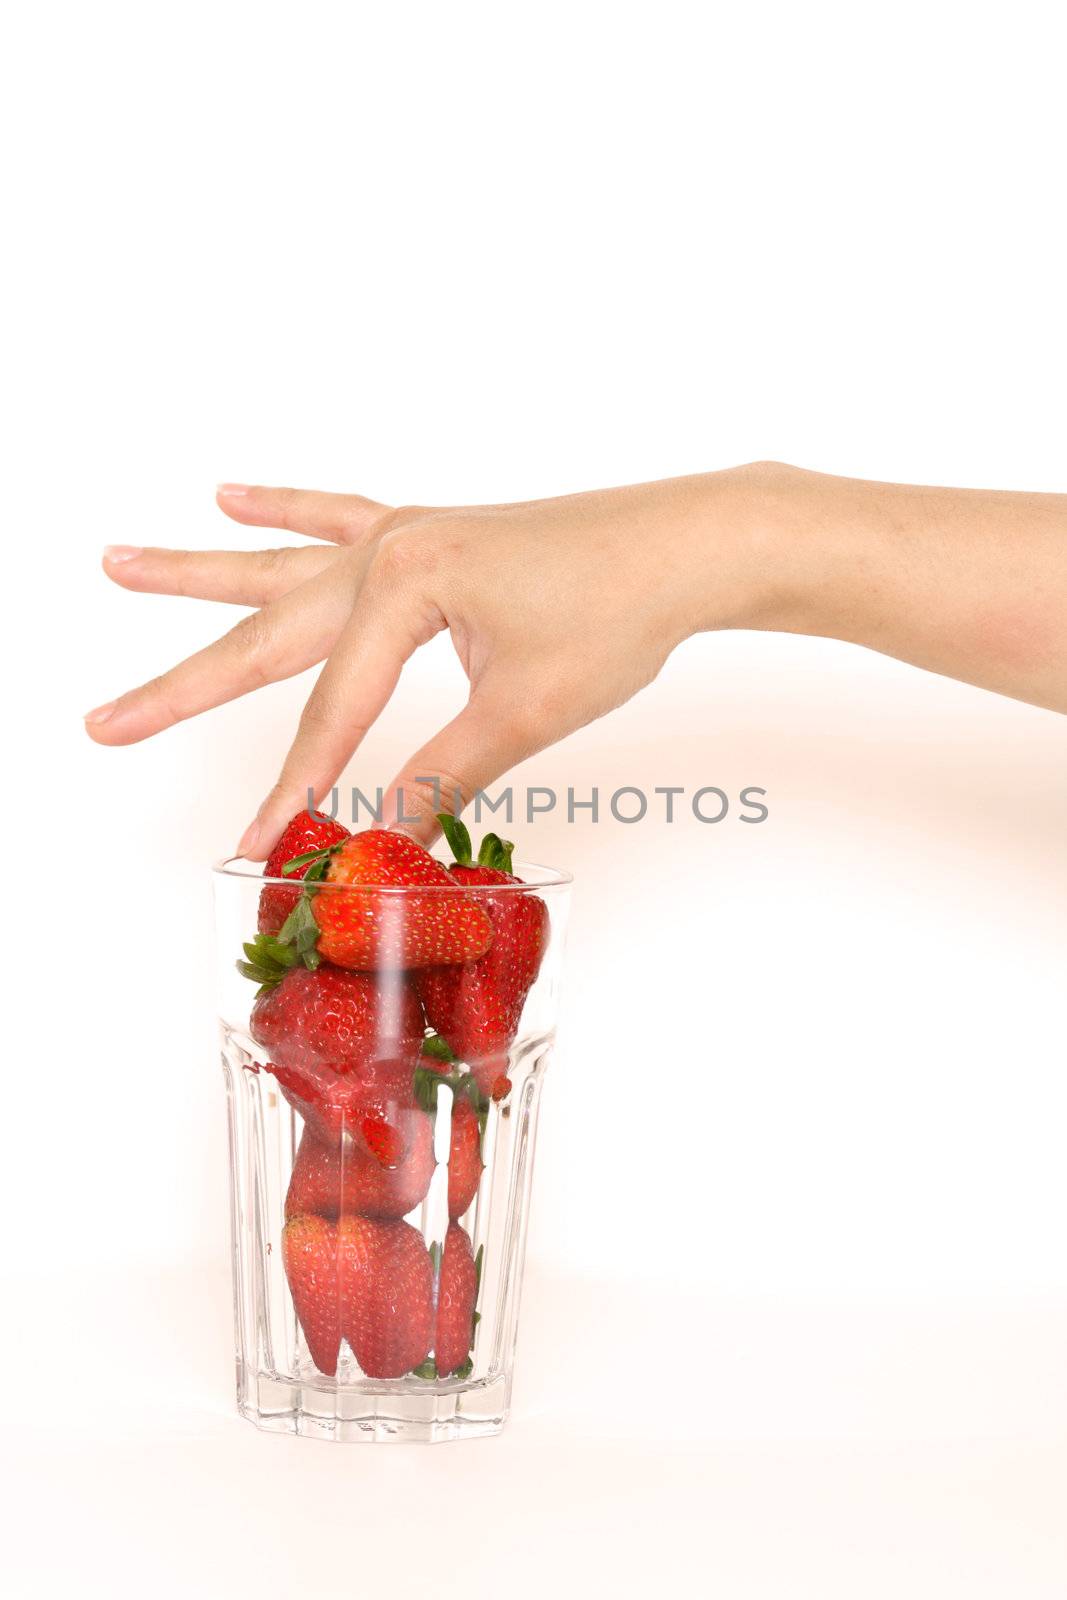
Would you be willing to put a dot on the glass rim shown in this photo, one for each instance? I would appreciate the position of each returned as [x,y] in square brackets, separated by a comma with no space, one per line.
[240,870]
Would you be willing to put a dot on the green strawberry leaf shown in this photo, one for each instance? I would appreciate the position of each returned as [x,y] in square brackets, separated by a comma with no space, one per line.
[457,837]
[478,1270]
[425,1369]
[465,1370]
[427,1081]
[268,960]
[317,871]
[320,857]
[435,1257]
[426,1085]
[269,957]
[496,853]
[299,933]
[299,924]
[269,951]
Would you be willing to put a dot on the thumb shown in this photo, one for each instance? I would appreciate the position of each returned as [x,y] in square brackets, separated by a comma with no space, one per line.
[489,736]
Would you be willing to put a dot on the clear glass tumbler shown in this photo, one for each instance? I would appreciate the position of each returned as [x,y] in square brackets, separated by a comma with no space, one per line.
[380,1178]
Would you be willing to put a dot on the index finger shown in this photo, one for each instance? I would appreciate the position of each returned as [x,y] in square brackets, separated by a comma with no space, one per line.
[384,629]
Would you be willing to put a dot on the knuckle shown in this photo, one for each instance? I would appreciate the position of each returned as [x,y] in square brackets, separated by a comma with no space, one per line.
[424,794]
[183,569]
[398,517]
[405,514]
[250,639]
[402,556]
[281,790]
[323,714]
[158,694]
[274,563]
[287,501]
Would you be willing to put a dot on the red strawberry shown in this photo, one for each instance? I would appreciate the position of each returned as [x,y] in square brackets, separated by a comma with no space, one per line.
[383,1139]
[477,1006]
[305,832]
[339,1176]
[371,1282]
[328,1022]
[373,1113]
[387,1312]
[309,1254]
[465,1163]
[342,1045]
[366,930]
[457,1291]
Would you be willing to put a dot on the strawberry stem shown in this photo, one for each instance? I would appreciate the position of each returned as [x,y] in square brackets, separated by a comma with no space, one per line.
[436,1047]
[427,1082]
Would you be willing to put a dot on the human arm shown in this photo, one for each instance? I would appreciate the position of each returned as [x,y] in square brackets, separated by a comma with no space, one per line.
[561,609]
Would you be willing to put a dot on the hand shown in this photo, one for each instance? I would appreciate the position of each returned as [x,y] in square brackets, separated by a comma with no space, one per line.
[559,610]
[562,609]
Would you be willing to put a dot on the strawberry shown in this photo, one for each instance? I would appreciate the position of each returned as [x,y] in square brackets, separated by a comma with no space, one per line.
[336,1177]
[366,930]
[342,1046]
[371,1282]
[307,831]
[469,1109]
[387,1313]
[331,1108]
[330,1022]
[476,1006]
[457,1290]
[309,1254]
[383,1139]
[465,1163]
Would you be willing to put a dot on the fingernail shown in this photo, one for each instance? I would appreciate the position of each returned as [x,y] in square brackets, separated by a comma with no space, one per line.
[116,553]
[231,491]
[101,713]
[249,839]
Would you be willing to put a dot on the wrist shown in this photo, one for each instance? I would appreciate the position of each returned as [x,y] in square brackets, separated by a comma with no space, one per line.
[779,550]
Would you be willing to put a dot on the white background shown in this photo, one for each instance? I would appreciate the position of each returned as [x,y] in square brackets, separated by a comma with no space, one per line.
[808,1340]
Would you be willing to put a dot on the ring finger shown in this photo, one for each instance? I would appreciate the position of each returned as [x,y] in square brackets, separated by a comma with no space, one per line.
[243,578]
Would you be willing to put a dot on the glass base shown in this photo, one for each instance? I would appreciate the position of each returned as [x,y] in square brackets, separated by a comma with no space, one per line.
[378,1414]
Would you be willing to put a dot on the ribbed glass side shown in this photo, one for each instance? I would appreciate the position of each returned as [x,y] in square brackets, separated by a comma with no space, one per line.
[279,1385]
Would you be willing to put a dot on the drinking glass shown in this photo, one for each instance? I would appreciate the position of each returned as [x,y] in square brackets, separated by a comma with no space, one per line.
[386,1196]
